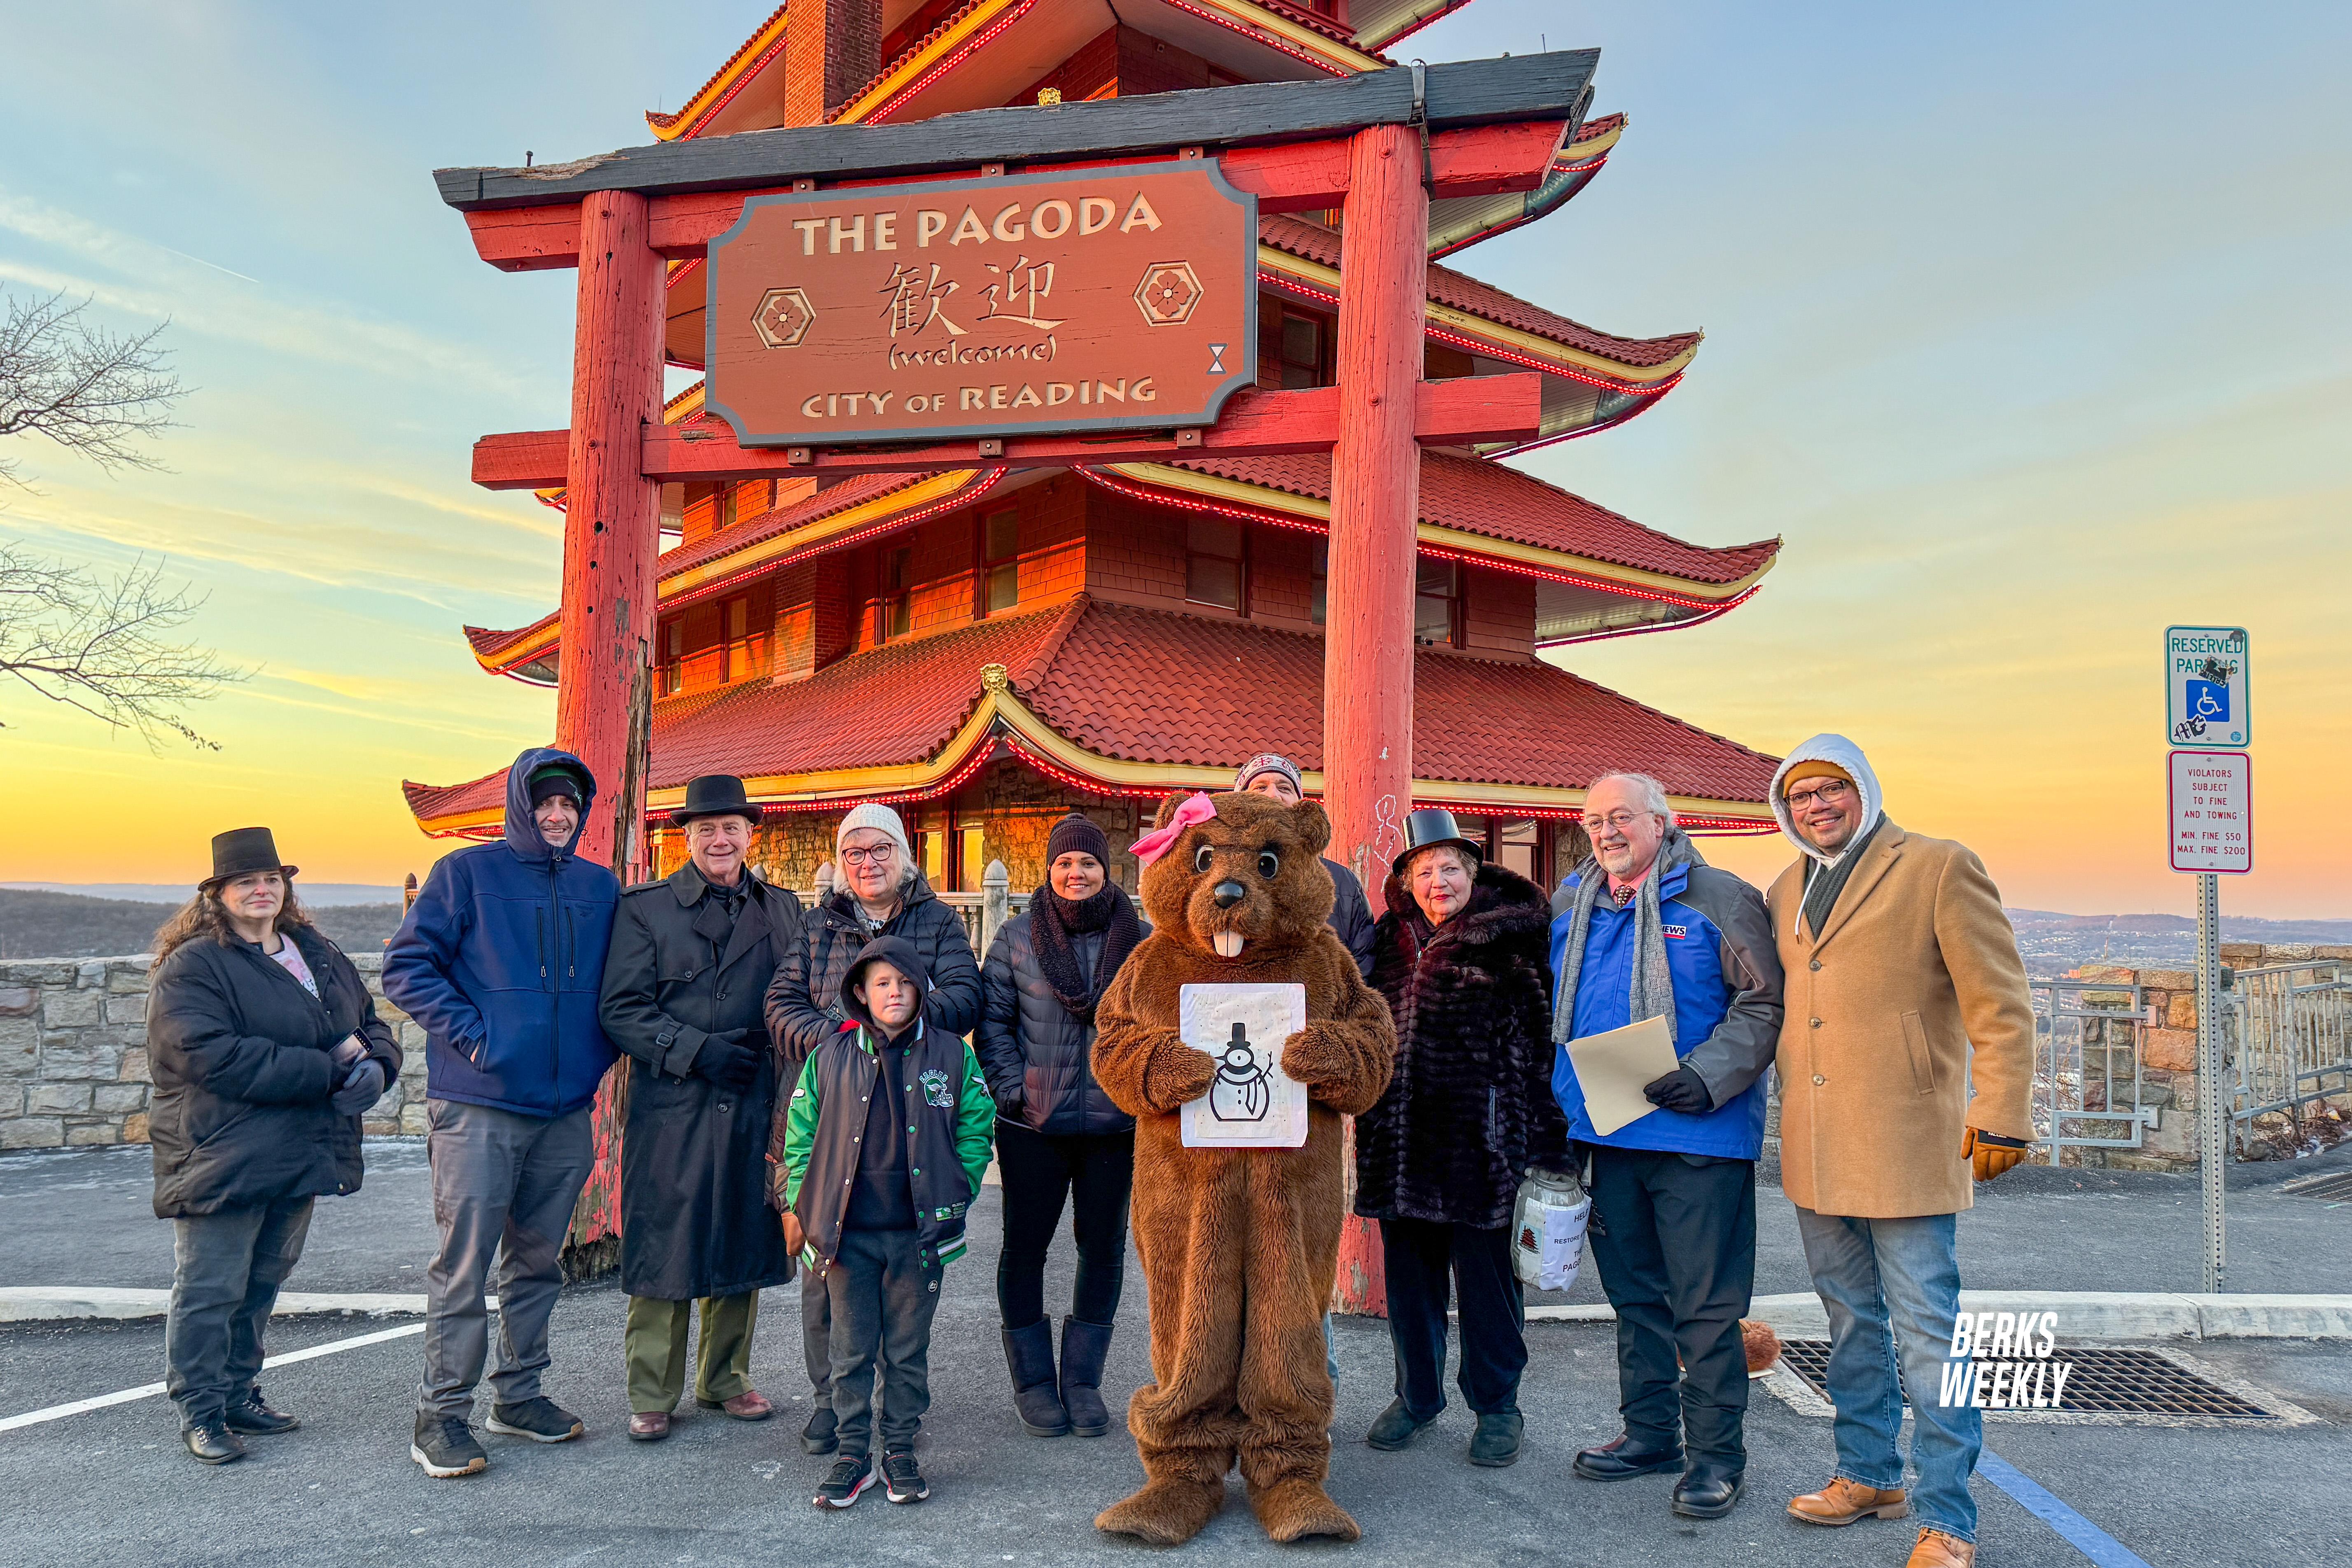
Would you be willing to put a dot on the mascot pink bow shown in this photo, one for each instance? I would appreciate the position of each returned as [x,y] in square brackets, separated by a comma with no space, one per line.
[1156,843]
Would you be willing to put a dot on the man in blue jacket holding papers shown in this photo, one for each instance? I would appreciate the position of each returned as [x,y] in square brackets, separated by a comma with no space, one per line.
[1644,928]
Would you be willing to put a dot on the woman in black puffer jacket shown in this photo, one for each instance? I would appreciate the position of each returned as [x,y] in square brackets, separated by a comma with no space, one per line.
[1058,1136]
[265,1050]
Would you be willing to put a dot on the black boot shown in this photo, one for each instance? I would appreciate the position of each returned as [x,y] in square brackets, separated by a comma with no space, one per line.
[1029,1354]
[1084,1346]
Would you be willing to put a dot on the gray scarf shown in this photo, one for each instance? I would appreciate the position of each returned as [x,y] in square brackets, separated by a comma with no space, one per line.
[1652,994]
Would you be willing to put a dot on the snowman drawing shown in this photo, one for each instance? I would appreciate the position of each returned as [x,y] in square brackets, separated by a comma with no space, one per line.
[1240,1092]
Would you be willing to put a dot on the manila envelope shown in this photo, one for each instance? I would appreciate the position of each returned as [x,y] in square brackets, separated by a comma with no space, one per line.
[1611,1068]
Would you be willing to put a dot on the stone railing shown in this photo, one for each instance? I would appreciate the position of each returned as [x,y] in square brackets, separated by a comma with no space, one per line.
[73,1053]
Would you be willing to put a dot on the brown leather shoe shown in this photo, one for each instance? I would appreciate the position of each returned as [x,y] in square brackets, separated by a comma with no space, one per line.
[748,1405]
[649,1425]
[1937,1550]
[1843,1501]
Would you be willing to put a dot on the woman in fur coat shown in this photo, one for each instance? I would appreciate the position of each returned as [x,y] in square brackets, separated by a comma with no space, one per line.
[1462,957]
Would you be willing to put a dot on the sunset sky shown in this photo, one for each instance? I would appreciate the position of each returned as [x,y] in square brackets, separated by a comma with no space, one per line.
[2027,329]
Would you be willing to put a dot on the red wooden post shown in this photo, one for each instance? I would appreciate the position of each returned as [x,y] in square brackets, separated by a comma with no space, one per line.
[1375,503]
[612,535]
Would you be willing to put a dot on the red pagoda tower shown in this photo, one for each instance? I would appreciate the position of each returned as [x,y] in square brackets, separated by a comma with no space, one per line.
[990,648]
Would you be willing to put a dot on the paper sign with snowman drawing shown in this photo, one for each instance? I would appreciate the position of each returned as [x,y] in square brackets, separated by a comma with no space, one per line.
[1251,1104]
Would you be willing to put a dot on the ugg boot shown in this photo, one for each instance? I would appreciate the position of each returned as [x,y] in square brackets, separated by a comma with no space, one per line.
[1084,1346]
[1029,1354]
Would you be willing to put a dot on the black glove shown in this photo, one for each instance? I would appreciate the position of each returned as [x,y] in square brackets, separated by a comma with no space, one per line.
[1681,1090]
[361,1089]
[727,1061]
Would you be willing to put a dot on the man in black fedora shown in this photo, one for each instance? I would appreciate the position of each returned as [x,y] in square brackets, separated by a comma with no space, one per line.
[690,965]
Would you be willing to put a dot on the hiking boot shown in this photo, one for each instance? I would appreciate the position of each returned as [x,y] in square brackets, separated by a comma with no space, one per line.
[816,1437]
[1085,1346]
[901,1481]
[252,1418]
[845,1484]
[1395,1428]
[445,1447]
[1036,1400]
[1844,1501]
[541,1420]
[1495,1443]
[213,1443]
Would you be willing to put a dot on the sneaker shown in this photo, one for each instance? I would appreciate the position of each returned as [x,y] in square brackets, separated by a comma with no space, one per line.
[848,1478]
[817,1436]
[901,1481]
[445,1447]
[541,1420]
[252,1416]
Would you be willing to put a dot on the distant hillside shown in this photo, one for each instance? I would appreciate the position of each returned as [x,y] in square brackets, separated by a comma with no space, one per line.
[2234,928]
[2056,943]
[68,925]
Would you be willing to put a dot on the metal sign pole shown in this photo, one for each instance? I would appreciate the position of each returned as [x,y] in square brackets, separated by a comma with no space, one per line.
[2213,1098]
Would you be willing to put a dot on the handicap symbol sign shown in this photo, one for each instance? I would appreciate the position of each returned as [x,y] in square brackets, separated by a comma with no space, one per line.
[2208,701]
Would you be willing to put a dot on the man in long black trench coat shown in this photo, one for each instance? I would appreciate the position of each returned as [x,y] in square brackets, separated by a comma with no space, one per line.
[689,963]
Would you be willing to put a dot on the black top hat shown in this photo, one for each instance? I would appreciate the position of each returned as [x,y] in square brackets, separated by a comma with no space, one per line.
[715,795]
[242,850]
[1427,828]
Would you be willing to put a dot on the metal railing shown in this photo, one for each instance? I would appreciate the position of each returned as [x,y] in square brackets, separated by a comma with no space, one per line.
[2293,1034]
[2088,1091]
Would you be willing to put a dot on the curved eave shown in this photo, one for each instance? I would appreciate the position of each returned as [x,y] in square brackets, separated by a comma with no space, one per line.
[1182,487]
[761,49]
[1002,716]
[1383,22]
[1465,221]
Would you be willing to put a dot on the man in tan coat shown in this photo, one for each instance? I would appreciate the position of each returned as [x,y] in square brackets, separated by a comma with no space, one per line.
[1905,992]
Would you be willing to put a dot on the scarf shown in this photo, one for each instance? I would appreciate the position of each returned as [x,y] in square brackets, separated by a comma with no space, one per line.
[1652,994]
[1054,919]
[1825,880]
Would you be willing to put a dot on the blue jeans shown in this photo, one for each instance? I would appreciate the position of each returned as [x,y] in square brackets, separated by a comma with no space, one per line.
[1892,1287]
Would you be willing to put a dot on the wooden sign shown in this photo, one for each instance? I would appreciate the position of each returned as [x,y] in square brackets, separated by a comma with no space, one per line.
[1114,298]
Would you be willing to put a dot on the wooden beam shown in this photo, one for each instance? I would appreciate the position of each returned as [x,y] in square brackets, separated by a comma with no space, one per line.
[1256,423]
[1555,86]
[1296,177]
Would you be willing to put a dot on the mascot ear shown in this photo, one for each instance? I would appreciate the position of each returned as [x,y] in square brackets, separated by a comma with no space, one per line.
[1166,812]
[1314,828]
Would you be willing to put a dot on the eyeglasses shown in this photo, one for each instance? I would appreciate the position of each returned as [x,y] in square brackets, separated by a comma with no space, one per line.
[1620,820]
[1829,793]
[879,855]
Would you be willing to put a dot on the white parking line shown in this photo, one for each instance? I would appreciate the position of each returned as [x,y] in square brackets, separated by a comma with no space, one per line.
[145,1390]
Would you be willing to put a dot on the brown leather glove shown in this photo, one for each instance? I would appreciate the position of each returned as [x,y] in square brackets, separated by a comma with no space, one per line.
[1991,1153]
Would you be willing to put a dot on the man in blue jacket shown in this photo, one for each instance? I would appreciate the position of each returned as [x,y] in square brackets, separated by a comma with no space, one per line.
[499,961]
[1644,928]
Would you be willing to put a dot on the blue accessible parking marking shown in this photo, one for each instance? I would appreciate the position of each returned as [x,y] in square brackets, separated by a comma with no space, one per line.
[2080,1533]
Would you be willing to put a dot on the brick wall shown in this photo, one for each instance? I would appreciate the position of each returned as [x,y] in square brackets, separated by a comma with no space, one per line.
[73,1053]
[832,48]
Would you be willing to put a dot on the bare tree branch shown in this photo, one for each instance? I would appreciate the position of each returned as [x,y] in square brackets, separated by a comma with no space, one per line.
[101,647]
[91,391]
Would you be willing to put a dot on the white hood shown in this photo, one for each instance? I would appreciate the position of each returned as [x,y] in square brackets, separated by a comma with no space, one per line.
[1834,748]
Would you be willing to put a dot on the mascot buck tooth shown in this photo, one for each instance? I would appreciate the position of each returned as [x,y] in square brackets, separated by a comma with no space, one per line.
[1239,1246]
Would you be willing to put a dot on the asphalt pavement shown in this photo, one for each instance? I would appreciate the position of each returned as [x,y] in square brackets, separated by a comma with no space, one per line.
[113,1482]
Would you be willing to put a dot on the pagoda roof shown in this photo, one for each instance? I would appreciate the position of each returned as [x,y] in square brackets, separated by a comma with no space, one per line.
[1118,699]
[1597,573]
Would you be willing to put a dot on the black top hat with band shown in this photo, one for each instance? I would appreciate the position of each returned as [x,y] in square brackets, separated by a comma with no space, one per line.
[243,851]
[1429,827]
[715,795]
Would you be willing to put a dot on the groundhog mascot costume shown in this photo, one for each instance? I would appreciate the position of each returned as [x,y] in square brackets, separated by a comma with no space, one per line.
[1238,1244]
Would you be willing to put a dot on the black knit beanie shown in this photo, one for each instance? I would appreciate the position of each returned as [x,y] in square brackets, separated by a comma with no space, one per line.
[1075,832]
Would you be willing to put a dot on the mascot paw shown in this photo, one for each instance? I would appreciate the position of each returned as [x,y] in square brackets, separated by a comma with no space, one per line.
[1294,1509]
[1165,1513]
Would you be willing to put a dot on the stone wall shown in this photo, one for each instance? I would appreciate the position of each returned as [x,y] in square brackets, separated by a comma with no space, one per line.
[73,1053]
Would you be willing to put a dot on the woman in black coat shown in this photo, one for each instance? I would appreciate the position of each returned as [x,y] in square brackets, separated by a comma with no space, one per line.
[265,1050]
[1058,1136]
[1462,956]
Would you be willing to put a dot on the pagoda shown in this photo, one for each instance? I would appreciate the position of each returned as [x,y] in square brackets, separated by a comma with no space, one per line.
[987,648]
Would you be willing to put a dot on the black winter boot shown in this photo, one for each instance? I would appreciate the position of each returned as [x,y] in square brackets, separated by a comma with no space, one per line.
[1029,1354]
[1084,1346]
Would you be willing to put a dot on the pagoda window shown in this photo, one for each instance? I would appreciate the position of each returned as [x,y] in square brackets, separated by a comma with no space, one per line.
[723,513]
[1322,589]
[735,621]
[1215,563]
[897,591]
[1518,847]
[673,667]
[999,560]
[1294,346]
[1437,604]
[971,850]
